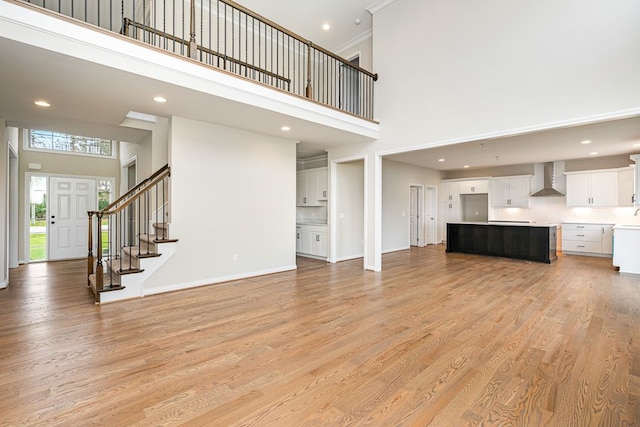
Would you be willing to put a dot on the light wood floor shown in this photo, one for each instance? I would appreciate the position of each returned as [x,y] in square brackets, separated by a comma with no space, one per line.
[436,339]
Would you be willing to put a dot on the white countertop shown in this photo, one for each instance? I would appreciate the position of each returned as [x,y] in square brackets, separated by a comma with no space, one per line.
[514,224]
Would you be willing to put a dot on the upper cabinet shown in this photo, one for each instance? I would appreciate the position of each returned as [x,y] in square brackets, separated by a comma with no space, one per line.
[510,192]
[450,191]
[479,186]
[592,188]
[626,187]
[311,187]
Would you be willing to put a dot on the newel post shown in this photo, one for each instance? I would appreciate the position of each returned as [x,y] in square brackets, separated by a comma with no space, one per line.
[193,46]
[99,267]
[90,247]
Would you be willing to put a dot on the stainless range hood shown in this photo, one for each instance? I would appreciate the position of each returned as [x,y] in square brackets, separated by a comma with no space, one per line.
[548,180]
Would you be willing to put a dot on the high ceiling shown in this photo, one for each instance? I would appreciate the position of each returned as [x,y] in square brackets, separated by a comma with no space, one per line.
[306,19]
[100,113]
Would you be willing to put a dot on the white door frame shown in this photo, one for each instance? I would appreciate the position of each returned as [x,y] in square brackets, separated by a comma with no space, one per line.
[420,212]
[333,207]
[27,200]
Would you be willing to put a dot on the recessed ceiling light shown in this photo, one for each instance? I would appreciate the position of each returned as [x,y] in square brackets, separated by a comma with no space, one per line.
[466,166]
[593,153]
[42,103]
[285,128]
[160,99]
[441,160]
[326,27]
[585,142]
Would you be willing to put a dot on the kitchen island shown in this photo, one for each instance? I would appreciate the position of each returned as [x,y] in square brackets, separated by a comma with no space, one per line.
[532,242]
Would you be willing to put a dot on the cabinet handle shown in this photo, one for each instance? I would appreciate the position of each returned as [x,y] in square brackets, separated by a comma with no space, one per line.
[324,193]
[304,200]
[633,198]
[317,237]
[298,236]
[473,189]
[580,235]
[579,226]
[580,246]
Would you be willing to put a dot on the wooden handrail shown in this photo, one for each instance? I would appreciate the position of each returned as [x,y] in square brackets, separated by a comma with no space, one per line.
[150,182]
[136,188]
[129,22]
[295,36]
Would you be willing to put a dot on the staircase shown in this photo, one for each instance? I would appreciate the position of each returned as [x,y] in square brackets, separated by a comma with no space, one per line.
[134,240]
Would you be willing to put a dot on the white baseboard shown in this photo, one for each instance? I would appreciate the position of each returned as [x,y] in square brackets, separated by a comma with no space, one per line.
[4,284]
[214,280]
[349,257]
[403,248]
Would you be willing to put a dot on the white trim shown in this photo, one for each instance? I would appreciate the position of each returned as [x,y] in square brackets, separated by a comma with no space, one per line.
[350,257]
[26,138]
[377,6]
[27,211]
[420,221]
[4,284]
[333,208]
[216,280]
[353,42]
[377,214]
[615,115]
[397,249]
[435,215]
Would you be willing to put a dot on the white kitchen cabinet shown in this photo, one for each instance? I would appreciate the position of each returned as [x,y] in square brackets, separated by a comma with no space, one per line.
[479,186]
[323,184]
[626,188]
[311,241]
[311,187]
[510,192]
[636,178]
[587,239]
[450,191]
[590,189]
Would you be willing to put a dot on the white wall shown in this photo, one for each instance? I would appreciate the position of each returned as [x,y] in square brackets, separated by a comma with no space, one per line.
[473,68]
[4,204]
[350,207]
[397,179]
[455,71]
[233,192]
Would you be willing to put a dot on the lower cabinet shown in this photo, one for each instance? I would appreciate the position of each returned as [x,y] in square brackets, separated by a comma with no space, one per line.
[587,239]
[311,241]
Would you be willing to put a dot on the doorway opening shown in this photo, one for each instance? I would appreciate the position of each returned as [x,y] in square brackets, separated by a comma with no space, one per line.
[37,218]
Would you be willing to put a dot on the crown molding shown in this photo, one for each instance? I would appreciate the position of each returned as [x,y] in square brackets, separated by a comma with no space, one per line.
[378,5]
[353,42]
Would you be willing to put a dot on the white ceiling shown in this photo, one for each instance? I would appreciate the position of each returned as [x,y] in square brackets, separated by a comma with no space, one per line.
[92,100]
[607,139]
[306,19]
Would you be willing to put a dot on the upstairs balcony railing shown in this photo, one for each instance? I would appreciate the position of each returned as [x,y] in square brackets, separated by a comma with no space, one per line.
[228,36]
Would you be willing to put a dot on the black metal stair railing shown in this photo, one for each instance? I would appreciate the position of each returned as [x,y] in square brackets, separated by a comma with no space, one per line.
[228,36]
[127,229]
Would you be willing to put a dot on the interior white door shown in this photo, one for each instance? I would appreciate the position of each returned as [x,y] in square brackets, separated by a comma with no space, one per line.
[70,199]
[430,216]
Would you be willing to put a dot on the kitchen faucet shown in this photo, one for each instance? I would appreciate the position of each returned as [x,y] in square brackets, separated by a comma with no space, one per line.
[636,212]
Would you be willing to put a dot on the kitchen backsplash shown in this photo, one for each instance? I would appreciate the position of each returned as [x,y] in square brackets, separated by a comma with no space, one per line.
[554,210]
[313,215]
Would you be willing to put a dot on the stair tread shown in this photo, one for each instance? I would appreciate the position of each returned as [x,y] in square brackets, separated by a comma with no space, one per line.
[138,253]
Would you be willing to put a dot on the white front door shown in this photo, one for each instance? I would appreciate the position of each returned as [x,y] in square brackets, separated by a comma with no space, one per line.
[70,199]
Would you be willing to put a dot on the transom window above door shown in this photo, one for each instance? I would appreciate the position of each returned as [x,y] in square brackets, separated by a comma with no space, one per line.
[42,140]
